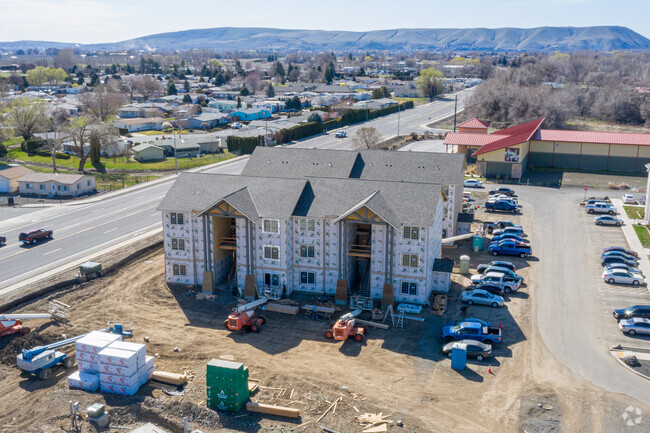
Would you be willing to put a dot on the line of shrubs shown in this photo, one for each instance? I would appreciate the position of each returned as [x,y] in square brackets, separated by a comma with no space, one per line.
[33,147]
[243,145]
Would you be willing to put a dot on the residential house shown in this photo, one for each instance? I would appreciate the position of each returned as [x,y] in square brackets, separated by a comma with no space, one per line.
[140,124]
[250,114]
[56,184]
[375,104]
[132,111]
[404,91]
[226,105]
[272,106]
[180,146]
[208,120]
[9,176]
[147,152]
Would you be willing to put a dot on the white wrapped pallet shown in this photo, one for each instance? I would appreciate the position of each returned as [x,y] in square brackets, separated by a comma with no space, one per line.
[88,357]
[128,381]
[140,349]
[117,370]
[85,381]
[95,342]
[91,367]
[146,372]
[120,358]
[118,389]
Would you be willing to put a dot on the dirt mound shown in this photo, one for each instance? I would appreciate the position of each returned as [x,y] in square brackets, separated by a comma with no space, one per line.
[540,413]
[171,413]
[16,344]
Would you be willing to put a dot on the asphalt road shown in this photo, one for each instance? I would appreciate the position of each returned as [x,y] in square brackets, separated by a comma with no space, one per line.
[85,229]
[573,305]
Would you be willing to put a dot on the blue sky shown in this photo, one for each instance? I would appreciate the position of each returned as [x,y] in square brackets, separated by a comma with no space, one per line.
[90,21]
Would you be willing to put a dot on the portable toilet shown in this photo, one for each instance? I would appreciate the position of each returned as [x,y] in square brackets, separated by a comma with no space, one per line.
[458,356]
[464,265]
[477,244]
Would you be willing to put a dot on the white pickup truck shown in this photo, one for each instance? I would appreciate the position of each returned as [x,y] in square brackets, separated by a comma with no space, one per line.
[498,279]
[601,207]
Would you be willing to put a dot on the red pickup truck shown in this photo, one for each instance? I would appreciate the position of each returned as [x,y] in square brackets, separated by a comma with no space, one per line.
[33,236]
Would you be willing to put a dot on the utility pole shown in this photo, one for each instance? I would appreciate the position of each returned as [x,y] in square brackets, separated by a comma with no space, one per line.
[455,110]
[398,111]
[175,160]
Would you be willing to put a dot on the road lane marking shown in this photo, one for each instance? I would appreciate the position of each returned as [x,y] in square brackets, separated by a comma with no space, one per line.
[111,230]
[53,251]
[155,214]
[84,230]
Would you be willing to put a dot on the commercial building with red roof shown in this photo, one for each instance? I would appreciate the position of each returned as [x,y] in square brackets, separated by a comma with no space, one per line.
[509,152]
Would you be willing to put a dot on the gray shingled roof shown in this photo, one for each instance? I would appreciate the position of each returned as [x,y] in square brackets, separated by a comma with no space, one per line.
[398,202]
[426,167]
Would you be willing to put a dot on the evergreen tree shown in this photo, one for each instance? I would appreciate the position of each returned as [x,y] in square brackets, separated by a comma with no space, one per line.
[171,88]
[270,91]
[244,91]
[186,86]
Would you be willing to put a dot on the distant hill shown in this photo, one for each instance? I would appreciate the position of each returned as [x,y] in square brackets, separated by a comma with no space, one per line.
[601,38]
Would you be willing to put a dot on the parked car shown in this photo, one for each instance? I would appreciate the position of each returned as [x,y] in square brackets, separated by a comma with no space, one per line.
[608,220]
[236,125]
[500,263]
[624,267]
[609,260]
[635,325]
[510,230]
[498,279]
[505,271]
[33,236]
[601,208]
[593,200]
[510,248]
[491,226]
[618,254]
[641,311]
[506,237]
[3,241]
[473,183]
[501,205]
[618,276]
[474,329]
[492,288]
[628,199]
[475,349]
[626,251]
[341,134]
[502,190]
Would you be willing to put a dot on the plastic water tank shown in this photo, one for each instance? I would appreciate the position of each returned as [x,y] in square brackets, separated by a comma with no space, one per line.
[464,265]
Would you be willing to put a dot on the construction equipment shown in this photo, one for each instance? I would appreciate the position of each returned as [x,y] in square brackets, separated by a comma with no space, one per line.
[40,360]
[124,329]
[245,316]
[12,323]
[347,327]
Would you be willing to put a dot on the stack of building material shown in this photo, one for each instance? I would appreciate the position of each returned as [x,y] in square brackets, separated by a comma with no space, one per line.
[124,367]
[89,347]
[84,380]
[227,385]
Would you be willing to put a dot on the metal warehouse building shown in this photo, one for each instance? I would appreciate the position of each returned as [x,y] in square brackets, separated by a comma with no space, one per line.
[510,151]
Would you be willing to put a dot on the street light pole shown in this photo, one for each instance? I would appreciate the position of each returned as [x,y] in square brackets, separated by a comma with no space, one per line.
[175,160]
[398,111]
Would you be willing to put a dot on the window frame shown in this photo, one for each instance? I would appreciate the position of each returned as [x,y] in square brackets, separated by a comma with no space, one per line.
[272,278]
[272,248]
[307,249]
[176,218]
[307,275]
[179,244]
[270,221]
[304,223]
[179,270]
[407,233]
[408,259]
[409,288]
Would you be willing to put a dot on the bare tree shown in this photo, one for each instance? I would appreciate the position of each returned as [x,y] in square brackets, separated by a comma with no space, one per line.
[27,117]
[253,81]
[366,138]
[56,122]
[129,87]
[147,87]
[80,131]
[65,59]
[102,103]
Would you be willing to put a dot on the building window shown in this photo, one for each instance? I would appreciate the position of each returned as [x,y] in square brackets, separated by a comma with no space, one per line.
[409,288]
[272,253]
[78,186]
[176,218]
[270,226]
[411,233]
[271,280]
[411,260]
[306,225]
[180,270]
[307,278]
[42,187]
[88,183]
[178,244]
[29,186]
[307,251]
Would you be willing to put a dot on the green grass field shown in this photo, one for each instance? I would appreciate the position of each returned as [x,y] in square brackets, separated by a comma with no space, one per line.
[634,212]
[121,163]
[643,234]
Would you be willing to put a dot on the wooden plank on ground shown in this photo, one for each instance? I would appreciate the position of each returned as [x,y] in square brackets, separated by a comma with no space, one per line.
[378,429]
[328,409]
[281,308]
[270,409]
[320,309]
[172,378]
[369,323]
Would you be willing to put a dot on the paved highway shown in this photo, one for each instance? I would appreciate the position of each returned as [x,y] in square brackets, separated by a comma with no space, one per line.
[82,230]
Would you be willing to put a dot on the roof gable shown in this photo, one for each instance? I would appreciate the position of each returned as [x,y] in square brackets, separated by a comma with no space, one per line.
[474,123]
[511,136]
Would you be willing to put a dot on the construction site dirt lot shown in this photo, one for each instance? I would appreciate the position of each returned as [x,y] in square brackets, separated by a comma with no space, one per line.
[398,372]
